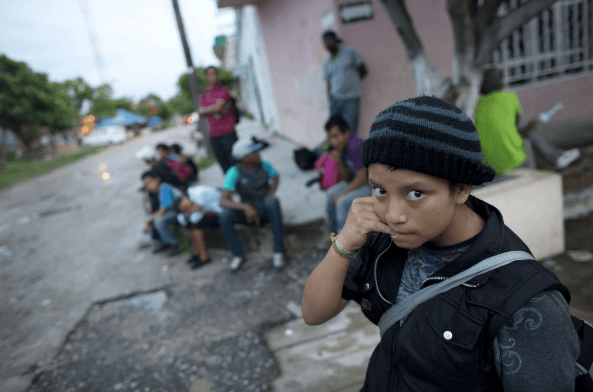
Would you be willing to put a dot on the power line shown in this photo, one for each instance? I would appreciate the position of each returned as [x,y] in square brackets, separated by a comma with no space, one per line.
[99,60]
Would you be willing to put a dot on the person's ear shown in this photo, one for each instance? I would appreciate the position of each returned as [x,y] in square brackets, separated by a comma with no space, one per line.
[462,192]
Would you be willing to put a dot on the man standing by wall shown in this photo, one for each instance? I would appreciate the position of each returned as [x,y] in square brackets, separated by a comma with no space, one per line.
[343,71]
[215,104]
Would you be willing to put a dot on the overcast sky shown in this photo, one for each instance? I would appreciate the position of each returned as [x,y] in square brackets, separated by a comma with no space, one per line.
[138,40]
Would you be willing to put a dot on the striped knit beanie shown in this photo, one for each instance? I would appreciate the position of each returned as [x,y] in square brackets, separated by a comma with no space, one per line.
[427,135]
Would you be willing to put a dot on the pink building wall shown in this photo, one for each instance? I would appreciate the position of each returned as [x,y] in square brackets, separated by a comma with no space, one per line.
[389,79]
[576,95]
[292,35]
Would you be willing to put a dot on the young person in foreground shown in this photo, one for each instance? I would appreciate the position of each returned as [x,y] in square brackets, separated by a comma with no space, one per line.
[424,156]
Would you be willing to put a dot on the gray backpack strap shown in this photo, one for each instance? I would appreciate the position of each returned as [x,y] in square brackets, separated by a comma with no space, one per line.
[408,304]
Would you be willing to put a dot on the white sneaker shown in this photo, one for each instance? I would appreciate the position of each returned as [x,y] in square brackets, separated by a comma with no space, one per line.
[236,262]
[278,260]
[567,158]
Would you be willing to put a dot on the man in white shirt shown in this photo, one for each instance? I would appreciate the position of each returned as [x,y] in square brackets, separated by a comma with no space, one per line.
[196,211]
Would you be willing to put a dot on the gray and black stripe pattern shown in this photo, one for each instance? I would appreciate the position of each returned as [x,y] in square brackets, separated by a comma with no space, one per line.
[427,135]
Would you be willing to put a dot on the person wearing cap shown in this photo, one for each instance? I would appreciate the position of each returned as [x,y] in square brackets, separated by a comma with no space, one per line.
[343,72]
[215,104]
[256,182]
[420,227]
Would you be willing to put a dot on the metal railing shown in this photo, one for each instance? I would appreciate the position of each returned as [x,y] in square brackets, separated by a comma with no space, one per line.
[554,46]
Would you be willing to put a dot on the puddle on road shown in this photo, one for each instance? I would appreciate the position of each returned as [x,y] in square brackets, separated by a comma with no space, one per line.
[152,302]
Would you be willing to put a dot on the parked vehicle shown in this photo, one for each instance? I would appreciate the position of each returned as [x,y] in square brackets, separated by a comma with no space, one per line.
[155,123]
[112,134]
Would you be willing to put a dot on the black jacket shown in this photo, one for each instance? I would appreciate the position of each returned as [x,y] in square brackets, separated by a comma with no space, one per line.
[415,356]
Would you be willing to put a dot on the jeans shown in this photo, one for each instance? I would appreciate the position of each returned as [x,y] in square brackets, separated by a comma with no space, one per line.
[349,109]
[336,215]
[162,225]
[223,150]
[268,211]
[549,152]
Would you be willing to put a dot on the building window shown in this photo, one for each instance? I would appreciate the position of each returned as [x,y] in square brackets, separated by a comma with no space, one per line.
[554,46]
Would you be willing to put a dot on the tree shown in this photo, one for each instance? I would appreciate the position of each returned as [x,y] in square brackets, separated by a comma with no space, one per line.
[28,101]
[79,91]
[477,31]
[224,75]
[181,103]
[104,106]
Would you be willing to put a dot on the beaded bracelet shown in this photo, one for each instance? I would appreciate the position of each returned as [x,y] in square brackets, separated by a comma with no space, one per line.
[340,249]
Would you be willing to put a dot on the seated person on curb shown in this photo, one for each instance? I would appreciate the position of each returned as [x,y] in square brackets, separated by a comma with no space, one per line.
[158,166]
[497,122]
[508,329]
[162,218]
[177,150]
[198,210]
[346,152]
[175,163]
[256,183]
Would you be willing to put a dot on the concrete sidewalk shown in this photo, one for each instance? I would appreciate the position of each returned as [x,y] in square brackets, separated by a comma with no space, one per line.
[329,357]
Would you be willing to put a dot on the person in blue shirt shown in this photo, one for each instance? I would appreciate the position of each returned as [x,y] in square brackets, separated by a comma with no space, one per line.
[161,219]
[256,182]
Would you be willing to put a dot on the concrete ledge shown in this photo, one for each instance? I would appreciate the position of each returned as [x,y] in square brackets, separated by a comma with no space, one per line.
[260,239]
[328,357]
[531,204]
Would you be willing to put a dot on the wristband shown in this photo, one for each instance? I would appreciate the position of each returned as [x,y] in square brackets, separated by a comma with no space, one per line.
[340,249]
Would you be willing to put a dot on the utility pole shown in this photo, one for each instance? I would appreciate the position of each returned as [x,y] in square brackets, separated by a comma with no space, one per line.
[193,83]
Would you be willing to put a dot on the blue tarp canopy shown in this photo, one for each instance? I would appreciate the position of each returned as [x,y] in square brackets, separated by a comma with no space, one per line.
[154,120]
[123,117]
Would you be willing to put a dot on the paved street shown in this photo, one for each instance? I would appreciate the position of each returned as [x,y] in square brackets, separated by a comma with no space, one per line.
[84,310]
[69,239]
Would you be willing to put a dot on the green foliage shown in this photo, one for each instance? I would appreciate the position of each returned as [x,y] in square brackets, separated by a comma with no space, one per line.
[204,163]
[20,169]
[142,110]
[28,100]
[224,75]
[79,91]
[104,107]
[164,109]
[181,103]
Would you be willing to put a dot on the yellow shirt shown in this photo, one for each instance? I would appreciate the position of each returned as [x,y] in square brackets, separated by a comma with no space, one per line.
[496,122]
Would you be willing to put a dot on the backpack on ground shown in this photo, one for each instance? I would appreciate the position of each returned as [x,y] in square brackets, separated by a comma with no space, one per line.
[305,158]
[328,169]
[182,169]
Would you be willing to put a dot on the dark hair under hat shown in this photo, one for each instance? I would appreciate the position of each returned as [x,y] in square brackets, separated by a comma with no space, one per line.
[427,135]
[331,34]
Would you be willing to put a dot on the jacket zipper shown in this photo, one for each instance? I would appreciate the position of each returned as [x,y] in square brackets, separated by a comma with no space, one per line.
[395,383]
